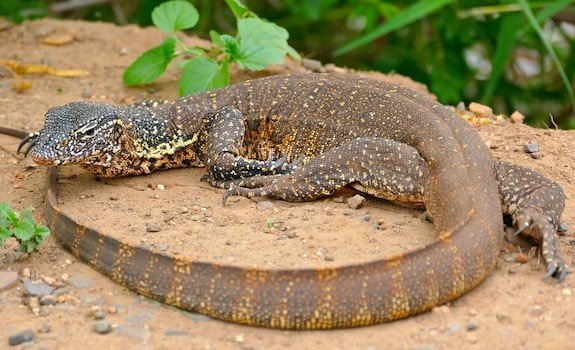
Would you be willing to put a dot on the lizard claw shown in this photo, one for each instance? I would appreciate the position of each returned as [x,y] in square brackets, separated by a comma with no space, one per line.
[31,140]
[533,223]
[274,165]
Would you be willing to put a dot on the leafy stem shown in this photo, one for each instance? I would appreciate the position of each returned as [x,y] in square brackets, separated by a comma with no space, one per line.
[257,44]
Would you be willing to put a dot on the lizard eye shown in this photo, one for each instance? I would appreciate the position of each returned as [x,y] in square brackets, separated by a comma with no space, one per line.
[87,130]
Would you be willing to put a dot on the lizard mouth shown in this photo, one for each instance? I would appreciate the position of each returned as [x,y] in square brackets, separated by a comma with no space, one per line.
[46,161]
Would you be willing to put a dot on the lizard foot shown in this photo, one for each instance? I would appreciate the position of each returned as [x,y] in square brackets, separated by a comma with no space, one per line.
[533,223]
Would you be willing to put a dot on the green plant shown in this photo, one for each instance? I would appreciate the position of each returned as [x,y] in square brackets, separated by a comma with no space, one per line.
[22,227]
[441,33]
[257,44]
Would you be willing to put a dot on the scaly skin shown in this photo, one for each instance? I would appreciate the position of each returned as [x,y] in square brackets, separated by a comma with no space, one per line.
[240,131]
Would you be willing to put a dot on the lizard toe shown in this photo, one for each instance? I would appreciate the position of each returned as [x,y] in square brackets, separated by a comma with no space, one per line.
[534,224]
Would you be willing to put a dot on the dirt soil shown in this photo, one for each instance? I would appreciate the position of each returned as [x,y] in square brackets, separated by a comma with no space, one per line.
[175,213]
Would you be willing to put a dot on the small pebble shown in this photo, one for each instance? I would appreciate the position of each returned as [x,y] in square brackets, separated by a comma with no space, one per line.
[338,199]
[517,118]
[531,147]
[481,110]
[48,300]
[45,327]
[348,212]
[37,288]
[8,279]
[86,93]
[356,201]
[453,327]
[34,305]
[153,228]
[102,327]
[313,65]
[58,39]
[471,326]
[366,217]
[21,337]
[562,227]
[99,314]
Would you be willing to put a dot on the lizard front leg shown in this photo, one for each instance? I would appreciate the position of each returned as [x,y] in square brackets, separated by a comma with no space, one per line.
[375,165]
[226,131]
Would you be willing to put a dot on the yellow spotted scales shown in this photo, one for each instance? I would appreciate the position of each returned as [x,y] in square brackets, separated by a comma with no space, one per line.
[301,137]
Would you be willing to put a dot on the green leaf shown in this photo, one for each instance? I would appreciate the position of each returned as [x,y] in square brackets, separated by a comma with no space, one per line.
[8,217]
[216,38]
[173,16]
[533,21]
[261,43]
[506,39]
[151,64]
[4,233]
[202,74]
[409,15]
[552,8]
[239,9]
[24,231]
[231,46]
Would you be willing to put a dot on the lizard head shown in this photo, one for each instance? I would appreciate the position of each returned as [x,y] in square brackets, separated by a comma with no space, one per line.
[79,132]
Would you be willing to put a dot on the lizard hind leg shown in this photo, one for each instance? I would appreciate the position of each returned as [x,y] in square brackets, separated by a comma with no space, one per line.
[535,204]
[374,165]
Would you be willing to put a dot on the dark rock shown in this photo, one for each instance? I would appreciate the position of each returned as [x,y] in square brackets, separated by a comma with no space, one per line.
[102,327]
[531,147]
[21,337]
[37,288]
[472,326]
[366,217]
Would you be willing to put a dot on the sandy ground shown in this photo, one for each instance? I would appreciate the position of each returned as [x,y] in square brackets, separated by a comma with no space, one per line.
[175,213]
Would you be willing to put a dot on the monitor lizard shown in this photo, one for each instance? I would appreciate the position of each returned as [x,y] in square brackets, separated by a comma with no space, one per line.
[298,138]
